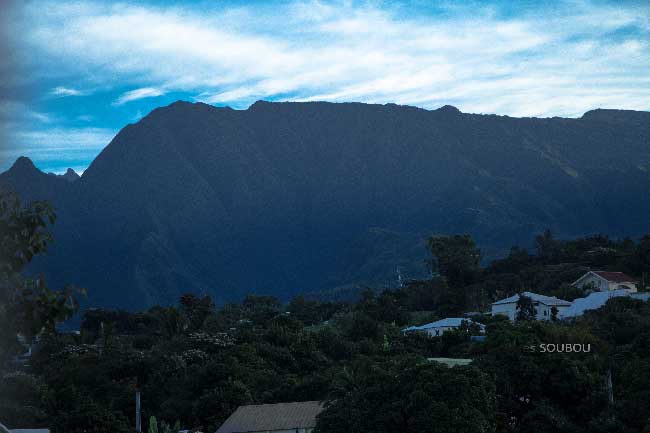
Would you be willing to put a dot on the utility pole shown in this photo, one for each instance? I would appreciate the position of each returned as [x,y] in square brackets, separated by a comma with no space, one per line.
[138,421]
[399,278]
[610,386]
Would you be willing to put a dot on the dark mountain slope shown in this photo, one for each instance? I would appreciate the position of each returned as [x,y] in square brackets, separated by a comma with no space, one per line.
[287,197]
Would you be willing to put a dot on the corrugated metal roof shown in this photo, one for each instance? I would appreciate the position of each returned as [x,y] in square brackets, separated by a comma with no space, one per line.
[592,302]
[546,300]
[30,430]
[4,429]
[640,296]
[449,322]
[268,417]
[451,362]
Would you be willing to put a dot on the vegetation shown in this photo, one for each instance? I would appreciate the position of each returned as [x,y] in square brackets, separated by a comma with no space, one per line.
[525,309]
[194,364]
[27,306]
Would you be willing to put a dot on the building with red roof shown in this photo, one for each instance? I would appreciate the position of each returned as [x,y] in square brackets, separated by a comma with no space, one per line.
[603,281]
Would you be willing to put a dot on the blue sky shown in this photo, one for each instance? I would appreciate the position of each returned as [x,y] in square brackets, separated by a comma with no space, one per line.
[84,69]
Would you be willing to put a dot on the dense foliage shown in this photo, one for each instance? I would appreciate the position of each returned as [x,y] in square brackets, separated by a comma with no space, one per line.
[194,364]
[27,306]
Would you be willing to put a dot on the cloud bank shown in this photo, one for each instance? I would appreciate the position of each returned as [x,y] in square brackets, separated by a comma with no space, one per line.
[554,61]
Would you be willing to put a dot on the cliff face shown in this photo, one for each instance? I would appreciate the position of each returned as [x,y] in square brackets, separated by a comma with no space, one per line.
[290,197]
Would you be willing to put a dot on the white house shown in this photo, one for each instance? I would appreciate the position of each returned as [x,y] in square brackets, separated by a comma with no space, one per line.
[603,281]
[436,329]
[543,306]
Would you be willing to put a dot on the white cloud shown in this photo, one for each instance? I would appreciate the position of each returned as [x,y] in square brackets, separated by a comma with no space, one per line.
[145,92]
[16,111]
[66,91]
[62,139]
[551,63]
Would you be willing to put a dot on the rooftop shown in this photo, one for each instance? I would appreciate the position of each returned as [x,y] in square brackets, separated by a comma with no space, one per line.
[449,322]
[592,302]
[451,362]
[269,417]
[546,300]
[615,277]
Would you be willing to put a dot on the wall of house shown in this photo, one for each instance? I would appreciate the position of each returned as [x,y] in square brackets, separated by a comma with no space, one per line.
[543,312]
[629,286]
[509,310]
[437,332]
[597,283]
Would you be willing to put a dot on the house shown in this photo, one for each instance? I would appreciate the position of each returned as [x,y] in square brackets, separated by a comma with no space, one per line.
[298,417]
[603,281]
[436,329]
[543,306]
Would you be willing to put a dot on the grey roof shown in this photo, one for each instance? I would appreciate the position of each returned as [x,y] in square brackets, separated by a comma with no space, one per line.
[269,417]
[30,430]
[592,302]
[546,300]
[449,322]
[644,296]
[4,429]
[451,362]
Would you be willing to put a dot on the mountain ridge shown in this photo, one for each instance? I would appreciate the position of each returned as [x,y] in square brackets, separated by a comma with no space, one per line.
[288,197]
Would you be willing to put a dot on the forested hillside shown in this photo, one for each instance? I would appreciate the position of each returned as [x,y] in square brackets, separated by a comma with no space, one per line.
[195,363]
[287,198]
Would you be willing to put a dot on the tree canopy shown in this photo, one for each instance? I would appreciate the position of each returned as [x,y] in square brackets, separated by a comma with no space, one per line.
[195,363]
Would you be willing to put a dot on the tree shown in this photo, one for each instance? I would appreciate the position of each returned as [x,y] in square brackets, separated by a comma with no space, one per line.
[640,262]
[456,258]
[548,249]
[89,417]
[259,309]
[409,395]
[525,309]
[196,310]
[21,400]
[153,425]
[27,306]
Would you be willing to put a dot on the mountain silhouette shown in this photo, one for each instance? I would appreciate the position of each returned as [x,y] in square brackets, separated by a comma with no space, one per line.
[284,198]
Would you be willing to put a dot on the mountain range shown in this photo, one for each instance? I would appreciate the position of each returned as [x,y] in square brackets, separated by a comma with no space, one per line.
[285,198]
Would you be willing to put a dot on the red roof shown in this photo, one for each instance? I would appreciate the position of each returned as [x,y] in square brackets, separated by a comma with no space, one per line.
[615,277]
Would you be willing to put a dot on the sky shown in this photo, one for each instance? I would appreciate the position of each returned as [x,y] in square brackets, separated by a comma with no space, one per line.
[79,71]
